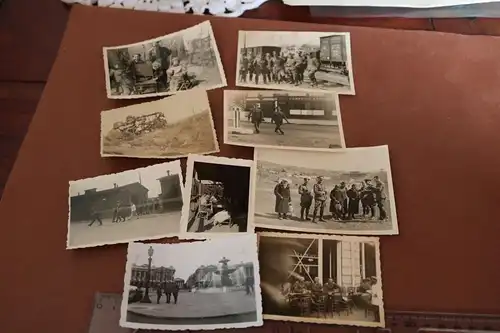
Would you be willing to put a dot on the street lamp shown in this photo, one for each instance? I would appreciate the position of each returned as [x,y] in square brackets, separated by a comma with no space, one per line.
[145,298]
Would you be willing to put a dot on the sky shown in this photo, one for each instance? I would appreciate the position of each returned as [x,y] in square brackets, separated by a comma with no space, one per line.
[279,38]
[187,257]
[198,31]
[175,108]
[354,159]
[148,176]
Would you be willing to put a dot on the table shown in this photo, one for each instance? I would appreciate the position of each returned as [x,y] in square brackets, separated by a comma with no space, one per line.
[439,115]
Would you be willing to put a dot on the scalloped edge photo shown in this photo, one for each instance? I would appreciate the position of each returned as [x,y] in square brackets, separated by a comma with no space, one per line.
[245,243]
[380,298]
[182,114]
[188,186]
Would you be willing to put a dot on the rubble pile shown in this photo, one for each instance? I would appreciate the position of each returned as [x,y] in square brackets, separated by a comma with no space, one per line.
[137,125]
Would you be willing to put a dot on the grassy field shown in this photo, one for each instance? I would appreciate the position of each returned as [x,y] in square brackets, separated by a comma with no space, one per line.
[190,136]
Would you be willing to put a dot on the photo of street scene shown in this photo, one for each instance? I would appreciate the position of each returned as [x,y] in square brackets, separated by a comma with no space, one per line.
[138,204]
[218,192]
[180,61]
[295,60]
[172,127]
[199,285]
[343,192]
[321,279]
[282,119]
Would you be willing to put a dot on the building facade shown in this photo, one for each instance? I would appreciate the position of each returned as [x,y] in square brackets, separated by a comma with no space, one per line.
[105,201]
[171,192]
[347,263]
[161,274]
[317,107]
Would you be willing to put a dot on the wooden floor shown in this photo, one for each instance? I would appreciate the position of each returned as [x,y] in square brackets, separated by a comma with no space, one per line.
[30,33]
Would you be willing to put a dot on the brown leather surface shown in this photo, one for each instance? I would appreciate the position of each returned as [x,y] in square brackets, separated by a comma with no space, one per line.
[432,97]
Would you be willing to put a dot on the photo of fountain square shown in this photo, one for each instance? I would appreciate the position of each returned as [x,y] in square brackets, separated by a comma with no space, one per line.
[219,292]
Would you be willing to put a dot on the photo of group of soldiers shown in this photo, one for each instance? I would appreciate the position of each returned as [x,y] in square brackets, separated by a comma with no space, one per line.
[305,297]
[357,201]
[277,67]
[155,69]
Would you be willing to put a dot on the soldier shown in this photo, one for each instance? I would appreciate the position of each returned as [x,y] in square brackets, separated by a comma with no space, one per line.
[278,117]
[297,68]
[260,68]
[124,78]
[380,197]
[176,73]
[319,199]
[305,200]
[243,67]
[269,67]
[251,65]
[343,199]
[160,75]
[312,67]
[115,211]
[256,116]
[160,54]
[290,68]
[158,293]
[276,67]
[95,215]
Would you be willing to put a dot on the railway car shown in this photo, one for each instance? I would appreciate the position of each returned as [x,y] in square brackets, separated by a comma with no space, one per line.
[263,50]
[333,52]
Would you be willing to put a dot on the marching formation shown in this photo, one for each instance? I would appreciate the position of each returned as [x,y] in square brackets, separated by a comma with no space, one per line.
[302,178]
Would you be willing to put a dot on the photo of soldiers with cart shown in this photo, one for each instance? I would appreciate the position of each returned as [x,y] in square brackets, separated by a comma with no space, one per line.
[285,119]
[165,65]
[167,128]
[345,192]
[301,61]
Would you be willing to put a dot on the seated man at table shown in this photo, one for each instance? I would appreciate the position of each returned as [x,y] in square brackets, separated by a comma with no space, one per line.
[317,287]
[299,287]
[331,287]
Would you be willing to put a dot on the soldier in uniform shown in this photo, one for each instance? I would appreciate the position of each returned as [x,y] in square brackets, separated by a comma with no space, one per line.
[251,66]
[95,215]
[380,197]
[158,293]
[243,67]
[312,67]
[116,210]
[305,200]
[269,67]
[124,78]
[319,199]
[177,74]
[260,68]
[256,116]
[277,118]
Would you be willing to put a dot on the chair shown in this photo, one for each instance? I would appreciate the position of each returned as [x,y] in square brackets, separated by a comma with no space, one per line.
[319,304]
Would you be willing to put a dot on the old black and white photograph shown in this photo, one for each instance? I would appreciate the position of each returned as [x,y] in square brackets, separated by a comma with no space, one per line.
[282,119]
[133,205]
[340,192]
[166,65]
[321,279]
[171,127]
[218,191]
[201,285]
[295,60]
